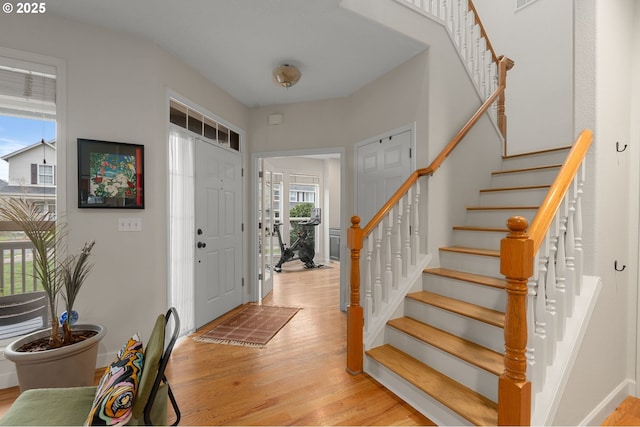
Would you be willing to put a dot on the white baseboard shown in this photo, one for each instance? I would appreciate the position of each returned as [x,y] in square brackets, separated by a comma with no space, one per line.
[609,404]
[8,379]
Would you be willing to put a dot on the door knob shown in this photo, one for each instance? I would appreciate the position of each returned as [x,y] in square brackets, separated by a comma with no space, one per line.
[202,245]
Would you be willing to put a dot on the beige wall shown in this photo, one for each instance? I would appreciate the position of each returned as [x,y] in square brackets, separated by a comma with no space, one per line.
[116,90]
[605,369]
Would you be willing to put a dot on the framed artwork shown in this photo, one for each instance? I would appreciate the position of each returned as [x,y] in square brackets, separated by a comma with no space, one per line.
[110,174]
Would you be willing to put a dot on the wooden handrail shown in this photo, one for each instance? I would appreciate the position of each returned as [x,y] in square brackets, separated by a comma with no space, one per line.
[483,33]
[439,160]
[549,207]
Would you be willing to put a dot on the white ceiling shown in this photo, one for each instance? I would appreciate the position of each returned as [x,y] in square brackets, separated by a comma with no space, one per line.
[236,43]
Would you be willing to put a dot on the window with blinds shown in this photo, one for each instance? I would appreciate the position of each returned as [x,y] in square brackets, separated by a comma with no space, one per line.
[198,123]
[27,90]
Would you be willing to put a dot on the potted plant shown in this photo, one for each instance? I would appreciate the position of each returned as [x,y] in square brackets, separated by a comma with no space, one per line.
[51,358]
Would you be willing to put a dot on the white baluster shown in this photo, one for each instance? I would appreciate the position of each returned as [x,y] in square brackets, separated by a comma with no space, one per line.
[488,81]
[406,233]
[397,259]
[450,16]
[377,287]
[531,336]
[550,285]
[539,325]
[561,274]
[388,271]
[476,54]
[460,13]
[368,295]
[494,86]
[578,232]
[468,43]
[464,31]
[482,80]
[415,232]
[570,283]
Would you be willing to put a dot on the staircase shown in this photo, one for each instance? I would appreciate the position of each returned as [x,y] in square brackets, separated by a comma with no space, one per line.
[444,353]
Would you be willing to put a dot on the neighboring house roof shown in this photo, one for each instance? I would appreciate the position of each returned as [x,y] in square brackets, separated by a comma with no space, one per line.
[51,144]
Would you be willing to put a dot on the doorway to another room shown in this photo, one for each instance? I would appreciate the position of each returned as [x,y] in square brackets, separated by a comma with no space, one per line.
[298,212]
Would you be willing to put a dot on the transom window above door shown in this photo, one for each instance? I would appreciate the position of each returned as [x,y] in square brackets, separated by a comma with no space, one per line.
[200,124]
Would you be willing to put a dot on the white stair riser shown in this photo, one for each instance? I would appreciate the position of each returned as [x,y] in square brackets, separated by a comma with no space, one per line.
[481,333]
[471,376]
[531,197]
[477,264]
[496,218]
[478,239]
[429,407]
[531,161]
[520,179]
[485,296]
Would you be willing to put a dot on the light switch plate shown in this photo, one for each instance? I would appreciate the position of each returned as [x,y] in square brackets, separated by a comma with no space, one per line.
[129,224]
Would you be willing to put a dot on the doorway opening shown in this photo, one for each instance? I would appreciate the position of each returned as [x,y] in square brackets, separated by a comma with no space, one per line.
[297,194]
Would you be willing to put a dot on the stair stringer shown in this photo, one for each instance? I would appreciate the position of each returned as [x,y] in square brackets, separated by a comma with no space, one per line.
[374,333]
[545,403]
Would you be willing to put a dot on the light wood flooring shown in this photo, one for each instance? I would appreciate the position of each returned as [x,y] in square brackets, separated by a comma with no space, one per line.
[626,414]
[299,378]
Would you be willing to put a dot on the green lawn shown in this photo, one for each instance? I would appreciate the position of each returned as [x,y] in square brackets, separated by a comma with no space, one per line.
[17,278]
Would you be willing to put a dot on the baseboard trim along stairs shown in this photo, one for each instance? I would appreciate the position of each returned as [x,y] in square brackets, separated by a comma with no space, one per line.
[442,350]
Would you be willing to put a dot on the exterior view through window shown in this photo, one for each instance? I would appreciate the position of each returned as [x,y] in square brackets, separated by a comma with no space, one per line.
[27,171]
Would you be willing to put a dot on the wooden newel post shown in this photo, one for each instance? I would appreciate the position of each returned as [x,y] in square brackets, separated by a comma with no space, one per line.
[504,65]
[516,264]
[355,316]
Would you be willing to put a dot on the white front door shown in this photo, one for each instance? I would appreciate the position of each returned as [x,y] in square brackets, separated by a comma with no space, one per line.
[218,231]
[382,166]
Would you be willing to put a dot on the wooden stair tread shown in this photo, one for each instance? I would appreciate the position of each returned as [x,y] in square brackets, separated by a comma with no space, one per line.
[468,277]
[477,228]
[475,354]
[467,403]
[535,153]
[522,188]
[501,208]
[472,251]
[538,168]
[482,314]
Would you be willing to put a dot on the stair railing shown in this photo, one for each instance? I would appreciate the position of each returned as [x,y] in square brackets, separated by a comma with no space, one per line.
[460,18]
[392,241]
[543,267]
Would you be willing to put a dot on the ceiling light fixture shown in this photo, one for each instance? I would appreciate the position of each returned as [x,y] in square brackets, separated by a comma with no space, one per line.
[286,75]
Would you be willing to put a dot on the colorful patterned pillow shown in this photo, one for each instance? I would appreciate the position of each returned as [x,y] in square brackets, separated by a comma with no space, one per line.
[117,389]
